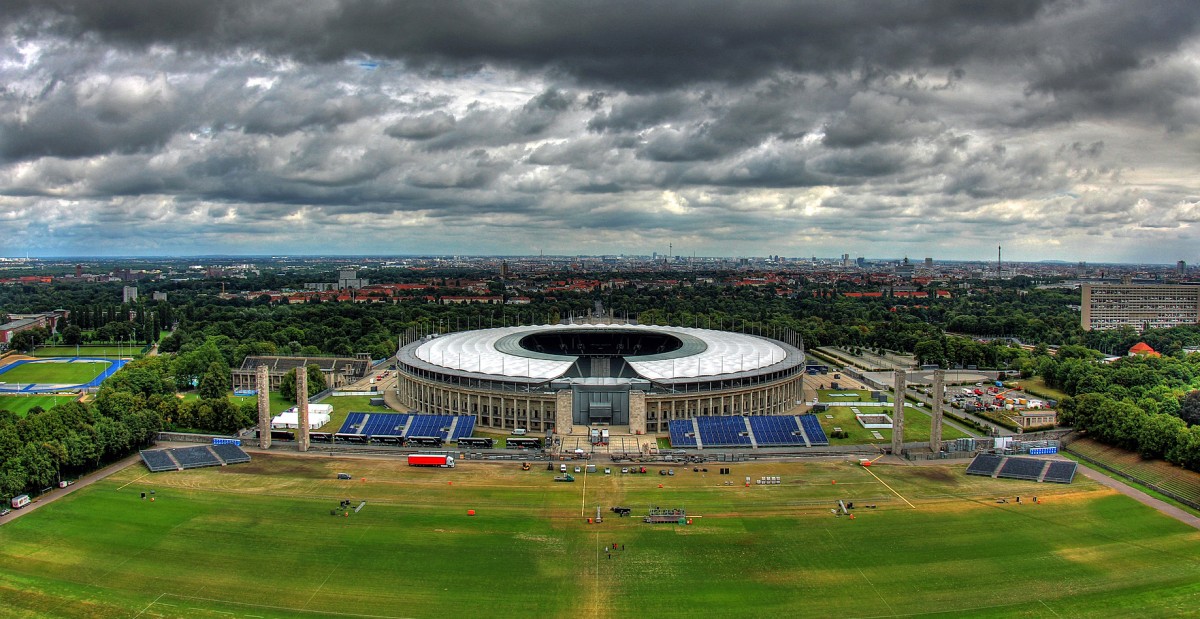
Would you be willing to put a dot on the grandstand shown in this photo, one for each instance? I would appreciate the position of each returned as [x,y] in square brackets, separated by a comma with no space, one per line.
[749,431]
[1174,481]
[1061,471]
[1029,469]
[985,465]
[180,458]
[393,426]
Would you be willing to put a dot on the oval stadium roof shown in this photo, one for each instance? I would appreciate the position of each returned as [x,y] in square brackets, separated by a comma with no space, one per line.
[704,353]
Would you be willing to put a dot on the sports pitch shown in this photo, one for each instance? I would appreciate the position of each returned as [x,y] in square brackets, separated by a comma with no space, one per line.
[258,540]
[20,404]
[30,375]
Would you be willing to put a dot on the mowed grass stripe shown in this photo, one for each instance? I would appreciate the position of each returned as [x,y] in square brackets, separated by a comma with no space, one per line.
[258,539]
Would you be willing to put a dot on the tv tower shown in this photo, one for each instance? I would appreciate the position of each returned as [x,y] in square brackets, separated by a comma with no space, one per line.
[999,270]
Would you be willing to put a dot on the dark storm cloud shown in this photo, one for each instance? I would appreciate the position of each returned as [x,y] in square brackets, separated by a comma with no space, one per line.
[604,126]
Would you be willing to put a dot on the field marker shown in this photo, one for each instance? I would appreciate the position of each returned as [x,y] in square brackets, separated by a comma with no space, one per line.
[123,487]
[885,485]
[1043,603]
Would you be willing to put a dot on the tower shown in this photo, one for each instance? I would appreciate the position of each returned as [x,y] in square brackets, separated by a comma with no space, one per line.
[935,430]
[898,415]
[302,408]
[263,385]
[999,263]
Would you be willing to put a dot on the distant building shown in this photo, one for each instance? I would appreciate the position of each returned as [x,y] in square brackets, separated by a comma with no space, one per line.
[1037,418]
[23,322]
[159,296]
[129,294]
[1181,268]
[1141,306]
[338,371]
[350,279]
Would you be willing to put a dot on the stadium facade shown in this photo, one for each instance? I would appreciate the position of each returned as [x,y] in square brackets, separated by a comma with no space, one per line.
[553,377]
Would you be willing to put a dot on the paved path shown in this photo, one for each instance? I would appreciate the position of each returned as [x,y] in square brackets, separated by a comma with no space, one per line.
[59,493]
[1140,496]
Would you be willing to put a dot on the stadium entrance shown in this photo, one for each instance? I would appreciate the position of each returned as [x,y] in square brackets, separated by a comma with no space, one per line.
[602,401]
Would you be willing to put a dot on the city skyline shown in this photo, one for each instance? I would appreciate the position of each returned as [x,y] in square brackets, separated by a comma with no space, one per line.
[1063,131]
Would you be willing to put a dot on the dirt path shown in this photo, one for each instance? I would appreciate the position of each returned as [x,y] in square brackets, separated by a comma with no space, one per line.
[80,483]
[1140,496]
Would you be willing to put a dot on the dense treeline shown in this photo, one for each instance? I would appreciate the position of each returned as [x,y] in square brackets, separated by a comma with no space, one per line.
[1144,403]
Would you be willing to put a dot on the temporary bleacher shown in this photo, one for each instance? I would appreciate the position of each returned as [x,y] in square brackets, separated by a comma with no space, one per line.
[231,454]
[1016,467]
[722,431]
[731,431]
[812,428]
[681,433]
[158,460]
[448,427]
[1061,472]
[1022,468]
[194,457]
[985,465]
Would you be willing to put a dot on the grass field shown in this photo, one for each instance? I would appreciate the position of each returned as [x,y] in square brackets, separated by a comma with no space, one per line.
[258,540]
[88,351]
[917,421]
[20,404]
[346,404]
[1036,386]
[74,373]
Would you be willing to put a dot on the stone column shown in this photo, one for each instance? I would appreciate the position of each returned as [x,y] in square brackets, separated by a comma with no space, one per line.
[637,412]
[564,408]
[935,430]
[302,408]
[263,387]
[898,415]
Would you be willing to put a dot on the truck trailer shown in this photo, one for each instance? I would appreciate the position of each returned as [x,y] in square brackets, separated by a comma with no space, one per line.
[438,460]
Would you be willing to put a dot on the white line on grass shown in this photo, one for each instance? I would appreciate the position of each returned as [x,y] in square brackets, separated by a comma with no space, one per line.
[288,609]
[885,485]
[885,602]
[149,605]
[123,487]
[1043,603]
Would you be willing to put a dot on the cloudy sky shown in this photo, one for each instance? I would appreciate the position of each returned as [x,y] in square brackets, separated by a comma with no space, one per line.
[1063,130]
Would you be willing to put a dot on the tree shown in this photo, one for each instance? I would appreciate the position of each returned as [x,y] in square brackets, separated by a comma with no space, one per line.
[316,383]
[1189,407]
[215,384]
[72,335]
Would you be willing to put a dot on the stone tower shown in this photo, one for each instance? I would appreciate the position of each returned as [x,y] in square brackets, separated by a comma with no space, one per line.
[898,415]
[935,430]
[263,387]
[302,408]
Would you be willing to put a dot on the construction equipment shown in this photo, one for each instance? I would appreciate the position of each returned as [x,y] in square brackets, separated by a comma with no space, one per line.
[524,466]
[866,463]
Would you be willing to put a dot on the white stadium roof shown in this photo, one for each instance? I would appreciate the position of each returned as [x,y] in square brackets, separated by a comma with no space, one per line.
[724,353]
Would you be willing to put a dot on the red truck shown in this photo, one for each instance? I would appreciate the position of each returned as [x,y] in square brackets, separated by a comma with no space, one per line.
[443,461]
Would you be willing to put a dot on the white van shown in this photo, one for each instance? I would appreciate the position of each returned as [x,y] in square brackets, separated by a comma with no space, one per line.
[562,468]
[20,501]
[518,432]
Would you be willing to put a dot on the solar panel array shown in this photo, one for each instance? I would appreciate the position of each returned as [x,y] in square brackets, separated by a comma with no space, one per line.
[158,461]
[448,427]
[1061,472]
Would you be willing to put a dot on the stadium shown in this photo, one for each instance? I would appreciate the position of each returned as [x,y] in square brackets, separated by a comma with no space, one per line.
[546,378]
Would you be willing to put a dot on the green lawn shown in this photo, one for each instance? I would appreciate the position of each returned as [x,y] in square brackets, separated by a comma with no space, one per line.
[344,405]
[20,404]
[125,351]
[1036,386]
[74,373]
[258,540]
[917,421]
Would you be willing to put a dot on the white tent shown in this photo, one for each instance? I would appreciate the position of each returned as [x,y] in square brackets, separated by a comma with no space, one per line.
[289,419]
